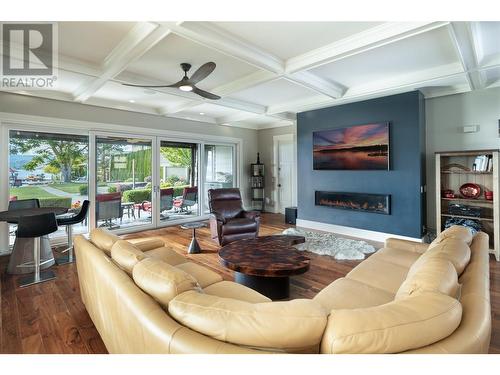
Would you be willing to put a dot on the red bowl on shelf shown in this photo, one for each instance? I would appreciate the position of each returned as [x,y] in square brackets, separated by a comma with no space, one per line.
[448,193]
[470,190]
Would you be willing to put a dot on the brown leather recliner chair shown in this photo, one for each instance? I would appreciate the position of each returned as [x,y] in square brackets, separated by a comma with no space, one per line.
[229,221]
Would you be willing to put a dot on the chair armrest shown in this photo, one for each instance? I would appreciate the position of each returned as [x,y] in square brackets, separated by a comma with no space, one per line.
[416,247]
[251,214]
[218,217]
[145,245]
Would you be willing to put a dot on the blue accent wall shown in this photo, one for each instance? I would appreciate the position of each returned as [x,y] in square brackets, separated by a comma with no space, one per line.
[406,115]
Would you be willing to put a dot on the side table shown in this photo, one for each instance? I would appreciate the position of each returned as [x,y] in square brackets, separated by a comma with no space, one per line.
[194,247]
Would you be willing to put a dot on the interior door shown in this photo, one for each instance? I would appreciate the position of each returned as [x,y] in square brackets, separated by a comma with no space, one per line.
[285,180]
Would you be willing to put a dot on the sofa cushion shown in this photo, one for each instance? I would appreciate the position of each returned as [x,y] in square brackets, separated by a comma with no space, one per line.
[379,274]
[161,280]
[229,289]
[397,326]
[126,255]
[452,249]
[239,225]
[103,239]
[167,255]
[144,244]
[290,326]
[351,294]
[457,232]
[399,257]
[203,275]
[430,275]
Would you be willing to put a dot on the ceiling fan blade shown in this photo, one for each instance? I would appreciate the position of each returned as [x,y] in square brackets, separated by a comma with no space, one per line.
[202,72]
[177,84]
[205,94]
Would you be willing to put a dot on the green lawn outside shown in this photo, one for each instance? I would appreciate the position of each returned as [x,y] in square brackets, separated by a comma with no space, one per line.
[68,187]
[27,192]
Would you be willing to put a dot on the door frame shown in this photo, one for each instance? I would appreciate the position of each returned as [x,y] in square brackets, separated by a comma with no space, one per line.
[22,122]
[275,180]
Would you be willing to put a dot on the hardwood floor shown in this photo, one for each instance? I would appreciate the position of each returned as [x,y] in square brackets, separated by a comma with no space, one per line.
[50,317]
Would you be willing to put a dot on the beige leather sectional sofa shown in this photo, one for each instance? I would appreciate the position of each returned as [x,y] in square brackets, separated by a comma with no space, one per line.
[408,297]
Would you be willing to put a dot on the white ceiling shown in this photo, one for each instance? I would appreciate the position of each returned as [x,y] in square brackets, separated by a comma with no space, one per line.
[268,71]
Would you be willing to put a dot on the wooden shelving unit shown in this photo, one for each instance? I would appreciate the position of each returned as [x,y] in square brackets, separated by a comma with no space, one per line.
[451,178]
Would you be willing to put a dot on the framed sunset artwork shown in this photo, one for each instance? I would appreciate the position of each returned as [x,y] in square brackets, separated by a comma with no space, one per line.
[360,147]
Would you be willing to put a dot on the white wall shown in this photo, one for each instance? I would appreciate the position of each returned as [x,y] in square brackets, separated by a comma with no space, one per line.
[266,156]
[444,118]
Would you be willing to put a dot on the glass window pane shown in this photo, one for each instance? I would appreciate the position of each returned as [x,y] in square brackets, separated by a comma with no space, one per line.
[123,176]
[219,168]
[178,180]
[50,167]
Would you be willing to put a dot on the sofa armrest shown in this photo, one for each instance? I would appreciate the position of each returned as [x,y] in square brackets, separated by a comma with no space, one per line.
[145,245]
[416,247]
[250,214]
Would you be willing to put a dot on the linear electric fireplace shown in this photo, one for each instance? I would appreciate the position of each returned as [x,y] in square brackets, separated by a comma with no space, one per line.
[376,203]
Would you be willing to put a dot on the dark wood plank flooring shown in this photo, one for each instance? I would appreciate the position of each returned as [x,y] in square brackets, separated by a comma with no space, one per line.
[50,317]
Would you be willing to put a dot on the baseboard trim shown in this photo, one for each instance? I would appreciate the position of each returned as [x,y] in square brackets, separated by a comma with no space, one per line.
[353,232]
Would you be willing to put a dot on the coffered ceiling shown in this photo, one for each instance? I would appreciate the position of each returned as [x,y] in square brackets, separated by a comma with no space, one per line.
[268,71]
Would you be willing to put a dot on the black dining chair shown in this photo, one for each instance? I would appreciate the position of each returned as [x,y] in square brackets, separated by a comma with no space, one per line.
[69,222]
[35,227]
[20,205]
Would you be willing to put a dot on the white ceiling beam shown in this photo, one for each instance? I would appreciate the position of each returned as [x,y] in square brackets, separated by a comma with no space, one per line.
[318,84]
[375,89]
[288,118]
[142,37]
[224,120]
[240,105]
[214,37]
[375,37]
[460,34]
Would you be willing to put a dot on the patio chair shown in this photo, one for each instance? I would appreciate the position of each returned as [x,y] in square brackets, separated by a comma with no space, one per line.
[166,202]
[109,207]
[188,200]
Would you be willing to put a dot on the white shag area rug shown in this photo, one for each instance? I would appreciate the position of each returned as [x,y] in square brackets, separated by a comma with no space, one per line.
[329,244]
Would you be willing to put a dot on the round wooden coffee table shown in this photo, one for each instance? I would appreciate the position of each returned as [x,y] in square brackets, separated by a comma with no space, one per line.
[266,263]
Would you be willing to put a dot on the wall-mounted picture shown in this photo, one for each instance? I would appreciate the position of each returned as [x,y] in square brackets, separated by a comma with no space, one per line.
[360,147]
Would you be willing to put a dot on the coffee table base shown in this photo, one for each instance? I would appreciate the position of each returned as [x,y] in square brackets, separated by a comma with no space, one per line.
[272,287]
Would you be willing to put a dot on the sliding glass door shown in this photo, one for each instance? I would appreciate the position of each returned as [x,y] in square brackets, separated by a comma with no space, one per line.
[178,181]
[51,167]
[219,169]
[133,182]
[124,182]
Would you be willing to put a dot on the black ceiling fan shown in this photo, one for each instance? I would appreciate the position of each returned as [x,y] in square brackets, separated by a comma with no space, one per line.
[189,84]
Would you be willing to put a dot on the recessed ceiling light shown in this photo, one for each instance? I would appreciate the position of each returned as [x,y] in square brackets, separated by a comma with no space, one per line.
[202,113]
[225,124]
[131,101]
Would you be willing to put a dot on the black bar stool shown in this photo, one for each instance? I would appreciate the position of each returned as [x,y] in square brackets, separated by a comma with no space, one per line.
[69,222]
[35,227]
[22,204]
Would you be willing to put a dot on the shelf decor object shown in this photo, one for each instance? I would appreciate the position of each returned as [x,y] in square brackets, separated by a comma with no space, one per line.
[257,184]
[470,190]
[474,174]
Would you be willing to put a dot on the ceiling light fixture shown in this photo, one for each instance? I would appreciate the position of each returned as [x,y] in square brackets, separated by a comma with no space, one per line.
[186,88]
[131,101]
[202,113]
